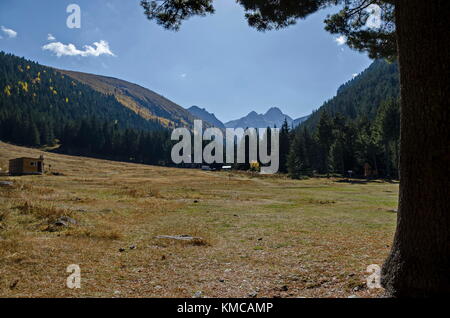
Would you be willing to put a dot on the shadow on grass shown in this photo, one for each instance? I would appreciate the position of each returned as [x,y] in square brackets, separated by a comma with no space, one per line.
[367,181]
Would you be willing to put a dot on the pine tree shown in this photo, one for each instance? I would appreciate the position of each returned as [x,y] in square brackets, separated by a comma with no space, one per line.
[325,139]
[297,158]
[387,132]
[285,140]
[33,135]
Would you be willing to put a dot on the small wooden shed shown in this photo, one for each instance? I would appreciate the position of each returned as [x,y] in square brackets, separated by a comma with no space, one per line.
[26,166]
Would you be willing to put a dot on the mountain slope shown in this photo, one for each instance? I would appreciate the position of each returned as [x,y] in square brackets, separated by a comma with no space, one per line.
[41,107]
[140,100]
[300,121]
[204,115]
[32,92]
[362,96]
[273,117]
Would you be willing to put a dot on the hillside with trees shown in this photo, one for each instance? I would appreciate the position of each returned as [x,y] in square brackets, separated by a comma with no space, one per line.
[355,133]
[39,106]
[362,96]
[351,147]
[140,100]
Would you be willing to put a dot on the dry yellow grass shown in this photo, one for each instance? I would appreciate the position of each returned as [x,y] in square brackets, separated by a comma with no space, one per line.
[266,235]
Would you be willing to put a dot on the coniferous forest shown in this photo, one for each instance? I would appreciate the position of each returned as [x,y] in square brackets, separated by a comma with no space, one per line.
[354,134]
[338,145]
[41,107]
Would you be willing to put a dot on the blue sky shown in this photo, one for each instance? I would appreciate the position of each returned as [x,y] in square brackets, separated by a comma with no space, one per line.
[216,62]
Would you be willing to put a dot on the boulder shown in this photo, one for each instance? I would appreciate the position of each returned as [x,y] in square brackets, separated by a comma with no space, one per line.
[178,237]
[65,221]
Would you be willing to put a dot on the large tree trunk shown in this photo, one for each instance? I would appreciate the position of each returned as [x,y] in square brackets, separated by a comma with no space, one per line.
[419,263]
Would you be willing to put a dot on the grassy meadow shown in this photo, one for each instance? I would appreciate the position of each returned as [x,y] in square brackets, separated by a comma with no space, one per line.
[257,236]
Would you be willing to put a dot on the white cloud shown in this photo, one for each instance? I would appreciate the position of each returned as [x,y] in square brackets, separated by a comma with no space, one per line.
[50,37]
[9,32]
[60,49]
[341,40]
[354,75]
[184,75]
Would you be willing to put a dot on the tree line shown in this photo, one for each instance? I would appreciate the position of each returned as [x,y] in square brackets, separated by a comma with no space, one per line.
[338,145]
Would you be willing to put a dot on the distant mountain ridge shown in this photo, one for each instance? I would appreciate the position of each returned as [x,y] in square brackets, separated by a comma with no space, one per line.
[204,115]
[274,117]
[297,122]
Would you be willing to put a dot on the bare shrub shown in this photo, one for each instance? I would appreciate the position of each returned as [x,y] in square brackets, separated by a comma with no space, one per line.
[49,213]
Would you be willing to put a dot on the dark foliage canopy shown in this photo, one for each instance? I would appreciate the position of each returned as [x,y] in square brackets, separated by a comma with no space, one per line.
[368,25]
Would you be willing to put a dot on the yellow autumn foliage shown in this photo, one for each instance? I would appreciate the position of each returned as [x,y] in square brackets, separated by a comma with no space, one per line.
[53,90]
[254,166]
[7,90]
[23,85]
